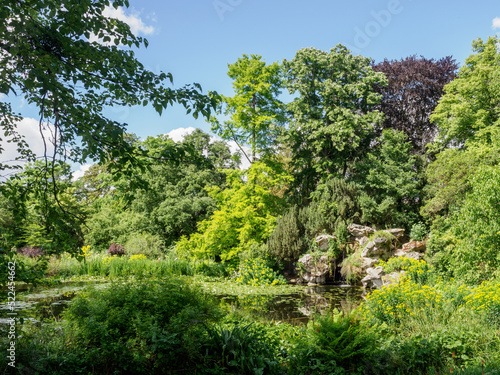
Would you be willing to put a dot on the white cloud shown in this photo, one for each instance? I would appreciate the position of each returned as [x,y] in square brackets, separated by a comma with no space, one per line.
[496,23]
[178,134]
[137,26]
[29,128]
[81,171]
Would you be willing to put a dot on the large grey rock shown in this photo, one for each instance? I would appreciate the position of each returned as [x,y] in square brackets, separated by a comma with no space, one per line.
[314,270]
[396,232]
[362,240]
[357,230]
[323,241]
[368,262]
[379,247]
[373,278]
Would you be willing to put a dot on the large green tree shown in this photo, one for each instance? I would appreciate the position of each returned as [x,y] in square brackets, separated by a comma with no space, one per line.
[390,179]
[468,248]
[255,112]
[245,216]
[35,217]
[468,119]
[470,107]
[332,121]
[172,201]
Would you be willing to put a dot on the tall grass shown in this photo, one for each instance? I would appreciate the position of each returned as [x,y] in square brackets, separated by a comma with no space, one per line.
[101,264]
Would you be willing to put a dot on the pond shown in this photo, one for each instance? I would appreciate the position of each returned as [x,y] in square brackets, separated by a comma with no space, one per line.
[297,307]
[293,305]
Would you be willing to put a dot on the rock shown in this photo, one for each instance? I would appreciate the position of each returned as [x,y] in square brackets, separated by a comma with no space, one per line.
[379,247]
[418,246]
[396,232]
[375,272]
[368,262]
[368,250]
[373,278]
[357,230]
[323,241]
[414,255]
[382,241]
[314,270]
[362,240]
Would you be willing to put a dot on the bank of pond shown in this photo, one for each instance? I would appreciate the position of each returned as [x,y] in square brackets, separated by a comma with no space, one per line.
[213,325]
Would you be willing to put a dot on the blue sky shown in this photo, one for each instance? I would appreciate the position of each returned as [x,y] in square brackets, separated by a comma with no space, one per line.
[196,39]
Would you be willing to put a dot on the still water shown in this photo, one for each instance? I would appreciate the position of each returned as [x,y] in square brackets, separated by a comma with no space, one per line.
[294,308]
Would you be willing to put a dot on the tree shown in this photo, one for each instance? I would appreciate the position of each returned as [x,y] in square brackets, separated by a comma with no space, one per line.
[332,119]
[34,217]
[72,62]
[469,109]
[449,176]
[390,180]
[468,249]
[468,119]
[255,111]
[171,203]
[50,56]
[414,88]
[245,216]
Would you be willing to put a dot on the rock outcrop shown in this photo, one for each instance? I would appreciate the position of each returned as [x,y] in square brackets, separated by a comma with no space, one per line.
[373,246]
[323,241]
[373,278]
[314,270]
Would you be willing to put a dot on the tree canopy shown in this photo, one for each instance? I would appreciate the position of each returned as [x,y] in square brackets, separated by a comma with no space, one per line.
[414,88]
[332,120]
[255,112]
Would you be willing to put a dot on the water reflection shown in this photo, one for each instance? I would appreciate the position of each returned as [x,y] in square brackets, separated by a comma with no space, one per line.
[295,308]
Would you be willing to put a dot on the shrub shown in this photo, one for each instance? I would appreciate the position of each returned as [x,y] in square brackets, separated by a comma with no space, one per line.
[418,232]
[287,242]
[336,344]
[418,271]
[257,272]
[145,243]
[351,268]
[31,251]
[242,348]
[486,298]
[142,327]
[115,249]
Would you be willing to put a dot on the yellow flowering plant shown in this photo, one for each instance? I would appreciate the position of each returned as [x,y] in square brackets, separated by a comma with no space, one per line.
[256,272]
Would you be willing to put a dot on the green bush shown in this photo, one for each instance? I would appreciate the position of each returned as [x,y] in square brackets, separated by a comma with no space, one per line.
[241,348]
[418,232]
[351,268]
[465,246]
[336,344]
[257,272]
[141,327]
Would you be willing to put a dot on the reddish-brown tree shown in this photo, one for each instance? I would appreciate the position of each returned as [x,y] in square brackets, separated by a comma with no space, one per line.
[414,89]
